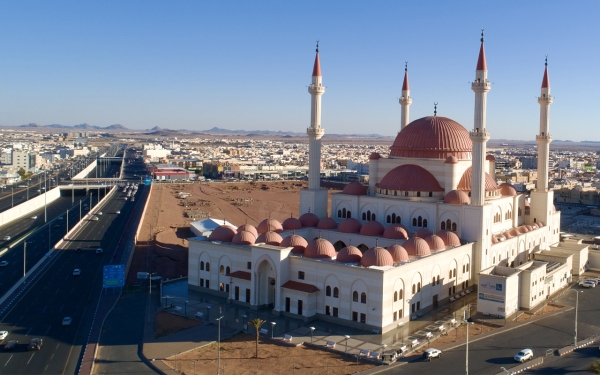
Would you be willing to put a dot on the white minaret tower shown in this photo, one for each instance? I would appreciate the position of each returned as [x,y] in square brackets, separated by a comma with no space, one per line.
[543,138]
[314,199]
[405,100]
[479,135]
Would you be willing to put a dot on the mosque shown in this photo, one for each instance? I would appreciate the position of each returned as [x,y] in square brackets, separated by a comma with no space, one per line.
[431,226]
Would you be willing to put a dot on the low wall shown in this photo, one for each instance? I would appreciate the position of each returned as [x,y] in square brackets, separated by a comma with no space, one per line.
[81,175]
[137,233]
[30,206]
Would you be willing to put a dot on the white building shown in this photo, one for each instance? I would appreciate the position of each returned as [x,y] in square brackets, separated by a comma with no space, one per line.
[432,223]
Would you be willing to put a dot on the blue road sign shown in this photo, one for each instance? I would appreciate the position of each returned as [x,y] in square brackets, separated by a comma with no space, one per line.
[147,181]
[114,276]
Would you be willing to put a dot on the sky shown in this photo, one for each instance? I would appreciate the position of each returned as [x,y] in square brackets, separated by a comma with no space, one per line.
[247,64]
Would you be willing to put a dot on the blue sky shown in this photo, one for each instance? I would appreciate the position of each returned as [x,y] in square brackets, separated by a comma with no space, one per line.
[246,65]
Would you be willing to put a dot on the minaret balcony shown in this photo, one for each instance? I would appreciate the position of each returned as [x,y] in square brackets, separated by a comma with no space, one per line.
[481,86]
[316,133]
[405,100]
[545,100]
[479,135]
[313,89]
[547,138]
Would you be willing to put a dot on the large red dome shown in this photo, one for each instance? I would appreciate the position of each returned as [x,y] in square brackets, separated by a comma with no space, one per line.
[466,181]
[433,137]
[410,177]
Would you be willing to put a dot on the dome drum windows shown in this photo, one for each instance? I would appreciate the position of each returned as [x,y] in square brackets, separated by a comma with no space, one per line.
[393,219]
[419,222]
[344,214]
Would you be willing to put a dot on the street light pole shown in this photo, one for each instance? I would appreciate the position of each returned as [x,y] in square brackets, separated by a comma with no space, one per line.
[24,257]
[576,311]
[219,347]
[347,337]
[467,323]
[272,329]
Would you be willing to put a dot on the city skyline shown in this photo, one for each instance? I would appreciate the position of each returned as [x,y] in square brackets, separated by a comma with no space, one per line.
[197,66]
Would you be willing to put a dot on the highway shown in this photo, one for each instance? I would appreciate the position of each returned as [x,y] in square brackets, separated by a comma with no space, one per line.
[56,293]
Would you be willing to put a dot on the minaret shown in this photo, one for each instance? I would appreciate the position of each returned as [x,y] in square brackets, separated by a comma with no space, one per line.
[405,100]
[479,136]
[314,199]
[544,138]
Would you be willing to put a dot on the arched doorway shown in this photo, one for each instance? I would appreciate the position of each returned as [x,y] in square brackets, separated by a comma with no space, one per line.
[265,284]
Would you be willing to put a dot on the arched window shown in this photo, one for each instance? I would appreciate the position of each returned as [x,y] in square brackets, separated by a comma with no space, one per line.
[363,297]
[463,268]
[419,286]
[467,267]
[443,225]
[395,296]
[222,270]
[344,212]
[373,217]
[414,289]
[450,274]
[389,219]
[400,294]
[433,281]
[339,213]
[349,214]
[369,215]
[227,270]
[494,261]
[520,213]
[414,222]
[398,220]
[393,218]
[424,223]
[208,266]
[420,223]
[328,291]
[355,296]
[454,227]
[454,272]
[418,193]
[336,292]
[364,216]
[406,193]
[431,194]
[448,223]
[202,266]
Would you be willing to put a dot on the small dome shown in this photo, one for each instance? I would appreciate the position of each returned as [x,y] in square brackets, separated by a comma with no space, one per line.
[523,229]
[457,197]
[327,223]
[222,233]
[270,238]
[514,232]
[349,225]
[508,190]
[494,240]
[529,227]
[422,233]
[374,156]
[243,238]
[435,242]
[467,179]
[291,223]
[507,235]
[451,160]
[372,228]
[396,232]
[355,188]
[376,256]
[320,248]
[449,237]
[540,224]
[417,247]
[398,253]
[349,254]
[490,158]
[298,243]
[269,225]
[309,220]
[410,177]
[248,228]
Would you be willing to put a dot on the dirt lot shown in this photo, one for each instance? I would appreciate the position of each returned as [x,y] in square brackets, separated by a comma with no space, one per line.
[237,358]
[162,245]
[167,323]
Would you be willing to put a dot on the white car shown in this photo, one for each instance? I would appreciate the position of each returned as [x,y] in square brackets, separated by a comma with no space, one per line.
[117,212]
[587,284]
[76,272]
[3,334]
[3,263]
[524,355]
[6,238]
[34,217]
[99,213]
[67,320]
[99,250]
[431,353]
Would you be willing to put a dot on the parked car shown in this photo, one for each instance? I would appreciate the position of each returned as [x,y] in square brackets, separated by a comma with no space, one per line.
[431,353]
[35,344]
[3,334]
[117,212]
[524,355]
[6,238]
[587,284]
[67,320]
[99,250]
[10,345]
[34,217]
[76,272]
[4,263]
[99,213]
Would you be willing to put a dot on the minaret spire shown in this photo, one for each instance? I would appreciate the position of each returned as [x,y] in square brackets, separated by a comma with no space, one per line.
[317,67]
[405,100]
[543,138]
[479,136]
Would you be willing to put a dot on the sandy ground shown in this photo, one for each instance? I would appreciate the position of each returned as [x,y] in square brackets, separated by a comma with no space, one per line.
[167,323]
[237,358]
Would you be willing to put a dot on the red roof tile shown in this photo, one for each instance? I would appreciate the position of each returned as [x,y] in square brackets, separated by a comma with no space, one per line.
[546,80]
[481,64]
[301,287]
[241,275]
[317,67]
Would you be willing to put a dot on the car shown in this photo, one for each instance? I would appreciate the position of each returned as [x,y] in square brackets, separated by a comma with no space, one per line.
[6,238]
[99,213]
[10,345]
[117,212]
[76,272]
[3,334]
[78,250]
[99,250]
[34,217]
[587,284]
[4,263]
[67,320]
[35,344]
[524,355]
[431,353]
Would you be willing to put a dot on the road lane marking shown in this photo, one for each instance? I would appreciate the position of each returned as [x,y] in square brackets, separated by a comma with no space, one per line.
[48,330]
[61,307]
[29,331]
[57,290]
[30,358]
[46,368]
[72,290]
[44,309]
[8,359]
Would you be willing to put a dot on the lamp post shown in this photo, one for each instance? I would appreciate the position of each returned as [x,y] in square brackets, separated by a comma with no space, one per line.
[347,337]
[467,323]
[312,329]
[219,346]
[576,311]
[383,346]
[244,322]
[12,197]
[208,313]
[272,329]
[185,308]
[24,258]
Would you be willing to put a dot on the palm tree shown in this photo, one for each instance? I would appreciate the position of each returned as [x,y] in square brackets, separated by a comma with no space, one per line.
[595,367]
[257,323]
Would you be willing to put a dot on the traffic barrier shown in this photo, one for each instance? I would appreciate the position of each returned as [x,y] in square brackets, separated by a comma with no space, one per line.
[26,208]
[523,367]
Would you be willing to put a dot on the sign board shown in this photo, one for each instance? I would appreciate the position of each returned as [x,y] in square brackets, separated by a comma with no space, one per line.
[114,276]
[147,181]
[142,275]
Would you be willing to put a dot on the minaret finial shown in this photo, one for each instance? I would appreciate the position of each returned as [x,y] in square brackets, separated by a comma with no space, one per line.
[546,63]
[482,35]
[435,109]
[317,46]
[406,66]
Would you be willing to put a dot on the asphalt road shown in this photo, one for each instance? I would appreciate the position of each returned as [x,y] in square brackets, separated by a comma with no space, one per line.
[56,293]
[488,355]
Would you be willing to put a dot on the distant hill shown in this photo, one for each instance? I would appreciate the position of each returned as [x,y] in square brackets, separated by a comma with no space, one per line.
[83,126]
